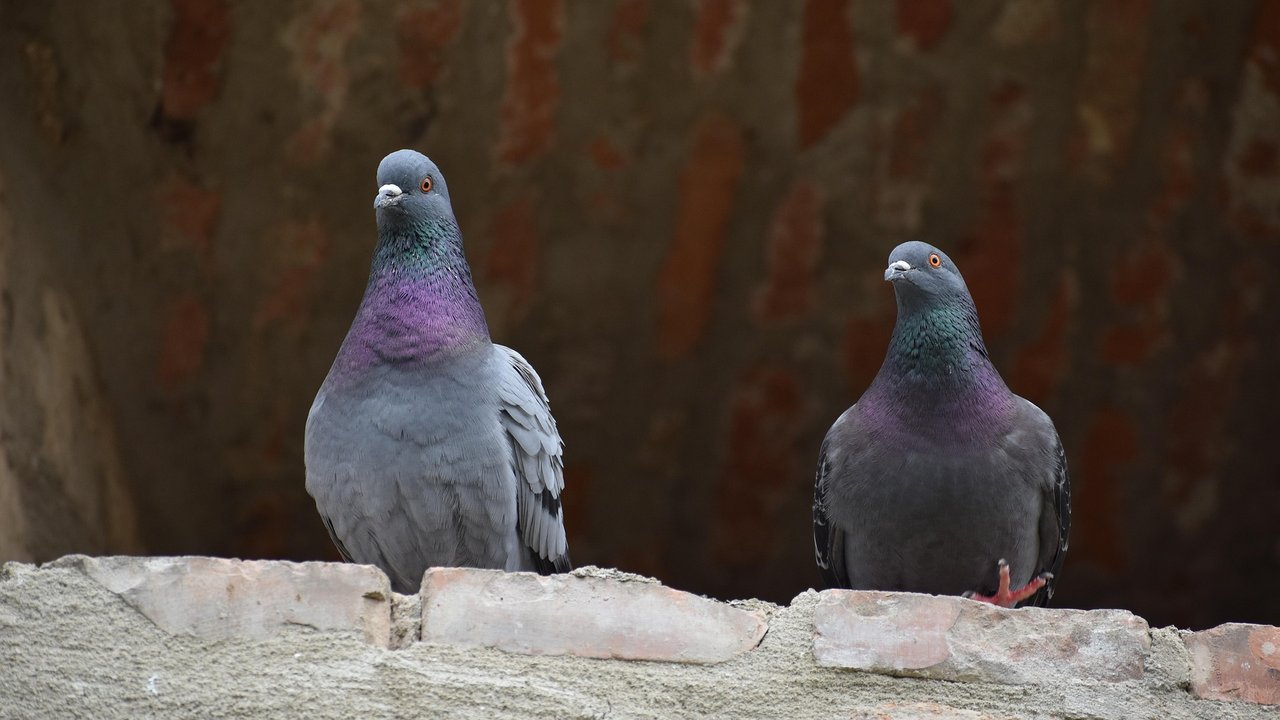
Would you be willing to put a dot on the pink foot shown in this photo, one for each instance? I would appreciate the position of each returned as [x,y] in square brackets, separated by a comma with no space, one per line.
[1007,598]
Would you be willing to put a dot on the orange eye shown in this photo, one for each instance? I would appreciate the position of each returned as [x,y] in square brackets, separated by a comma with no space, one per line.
[427,184]
[935,261]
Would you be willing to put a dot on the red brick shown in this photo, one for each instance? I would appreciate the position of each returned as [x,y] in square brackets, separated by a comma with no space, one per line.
[600,614]
[716,32]
[954,639]
[218,599]
[923,22]
[828,85]
[425,34]
[192,56]
[533,91]
[795,246]
[707,187]
[1236,662]
[186,336]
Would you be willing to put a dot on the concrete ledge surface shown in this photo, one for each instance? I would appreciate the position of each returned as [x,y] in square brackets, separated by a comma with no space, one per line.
[126,637]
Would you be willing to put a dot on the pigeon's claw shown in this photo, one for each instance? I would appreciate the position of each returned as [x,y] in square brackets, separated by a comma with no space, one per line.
[1006,597]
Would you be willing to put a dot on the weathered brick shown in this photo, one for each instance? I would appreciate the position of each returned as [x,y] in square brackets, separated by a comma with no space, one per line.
[1236,661]
[582,615]
[951,638]
[219,599]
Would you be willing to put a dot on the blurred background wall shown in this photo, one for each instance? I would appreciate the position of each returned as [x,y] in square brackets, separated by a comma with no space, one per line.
[680,213]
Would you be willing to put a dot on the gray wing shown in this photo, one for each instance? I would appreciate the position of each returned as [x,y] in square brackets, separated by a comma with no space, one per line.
[828,540]
[537,458]
[1055,524]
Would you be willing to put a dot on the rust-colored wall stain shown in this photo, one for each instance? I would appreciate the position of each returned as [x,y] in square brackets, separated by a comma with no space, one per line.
[303,247]
[512,261]
[923,22]
[192,55]
[605,154]
[714,34]
[866,339]
[912,130]
[902,161]
[1140,280]
[1110,447]
[1043,362]
[318,41]
[794,247]
[190,211]
[1260,160]
[1142,274]
[425,34]
[828,85]
[1198,438]
[626,33]
[186,335]
[1130,343]
[991,258]
[1109,90]
[686,282]
[579,482]
[764,436]
[532,92]
[1265,48]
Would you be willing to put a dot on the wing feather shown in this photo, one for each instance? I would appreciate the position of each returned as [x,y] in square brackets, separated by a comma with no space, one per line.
[537,462]
[828,540]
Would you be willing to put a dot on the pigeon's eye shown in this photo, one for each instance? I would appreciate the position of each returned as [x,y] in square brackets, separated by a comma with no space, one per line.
[427,184]
[934,260]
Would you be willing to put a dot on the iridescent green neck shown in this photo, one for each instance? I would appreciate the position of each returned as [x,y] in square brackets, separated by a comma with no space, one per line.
[937,379]
[937,344]
[419,249]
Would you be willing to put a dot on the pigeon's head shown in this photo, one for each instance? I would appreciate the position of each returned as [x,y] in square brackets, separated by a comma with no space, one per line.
[923,274]
[410,187]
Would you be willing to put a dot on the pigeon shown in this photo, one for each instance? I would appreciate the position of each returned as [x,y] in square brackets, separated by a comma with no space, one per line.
[939,479]
[428,444]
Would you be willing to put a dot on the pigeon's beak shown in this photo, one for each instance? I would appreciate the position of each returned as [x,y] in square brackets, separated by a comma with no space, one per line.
[388,195]
[896,270]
